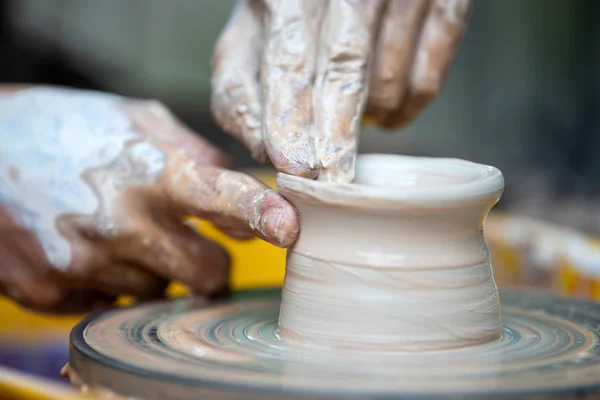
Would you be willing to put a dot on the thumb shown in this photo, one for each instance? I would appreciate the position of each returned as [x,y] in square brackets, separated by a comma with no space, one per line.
[214,193]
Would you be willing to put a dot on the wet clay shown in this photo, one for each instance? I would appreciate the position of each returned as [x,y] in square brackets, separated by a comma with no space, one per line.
[194,349]
[394,261]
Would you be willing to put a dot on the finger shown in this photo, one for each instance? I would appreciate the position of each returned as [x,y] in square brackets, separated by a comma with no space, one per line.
[34,292]
[238,234]
[399,32]
[157,124]
[287,78]
[235,101]
[71,301]
[341,84]
[93,267]
[216,194]
[234,228]
[31,281]
[127,279]
[213,260]
[442,33]
[192,260]
[78,301]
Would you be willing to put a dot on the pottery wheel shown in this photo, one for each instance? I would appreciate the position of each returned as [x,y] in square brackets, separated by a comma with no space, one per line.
[191,349]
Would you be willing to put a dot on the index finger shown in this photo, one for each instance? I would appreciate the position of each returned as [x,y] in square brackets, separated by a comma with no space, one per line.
[341,84]
[218,194]
[287,79]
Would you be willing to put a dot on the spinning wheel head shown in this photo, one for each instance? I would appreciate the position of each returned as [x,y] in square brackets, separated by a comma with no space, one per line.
[190,348]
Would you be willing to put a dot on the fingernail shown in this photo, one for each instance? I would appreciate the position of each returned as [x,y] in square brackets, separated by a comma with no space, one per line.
[302,169]
[280,226]
[296,159]
[297,166]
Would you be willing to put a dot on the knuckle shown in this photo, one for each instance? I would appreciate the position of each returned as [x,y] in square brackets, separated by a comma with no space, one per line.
[232,184]
[239,88]
[347,64]
[452,11]
[291,66]
[102,228]
[233,95]
[348,55]
[135,231]
[172,261]
[290,49]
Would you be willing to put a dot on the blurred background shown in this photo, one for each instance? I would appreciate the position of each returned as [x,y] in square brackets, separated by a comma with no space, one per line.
[522,96]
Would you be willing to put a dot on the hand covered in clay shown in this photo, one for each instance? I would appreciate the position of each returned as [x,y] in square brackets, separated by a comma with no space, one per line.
[291,77]
[94,192]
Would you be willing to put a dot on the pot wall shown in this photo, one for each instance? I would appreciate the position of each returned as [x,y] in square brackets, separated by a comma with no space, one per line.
[407,278]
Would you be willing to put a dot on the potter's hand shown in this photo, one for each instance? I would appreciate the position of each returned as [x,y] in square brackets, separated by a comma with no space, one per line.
[290,77]
[94,191]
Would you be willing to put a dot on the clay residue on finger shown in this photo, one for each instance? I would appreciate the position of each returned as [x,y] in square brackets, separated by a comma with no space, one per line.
[236,100]
[341,84]
[442,32]
[401,27]
[213,193]
[154,122]
[336,167]
[266,212]
[279,224]
[295,156]
[287,77]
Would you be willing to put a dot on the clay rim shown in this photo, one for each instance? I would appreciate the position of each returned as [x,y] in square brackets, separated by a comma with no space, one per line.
[485,185]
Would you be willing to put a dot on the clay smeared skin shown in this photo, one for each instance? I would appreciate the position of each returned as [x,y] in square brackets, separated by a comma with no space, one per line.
[292,78]
[27,277]
[135,239]
[442,32]
[236,63]
[341,86]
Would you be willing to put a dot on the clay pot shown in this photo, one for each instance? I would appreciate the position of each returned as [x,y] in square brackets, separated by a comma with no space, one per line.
[396,260]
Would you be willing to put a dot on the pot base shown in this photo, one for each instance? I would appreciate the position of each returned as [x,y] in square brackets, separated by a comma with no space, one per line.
[191,348]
